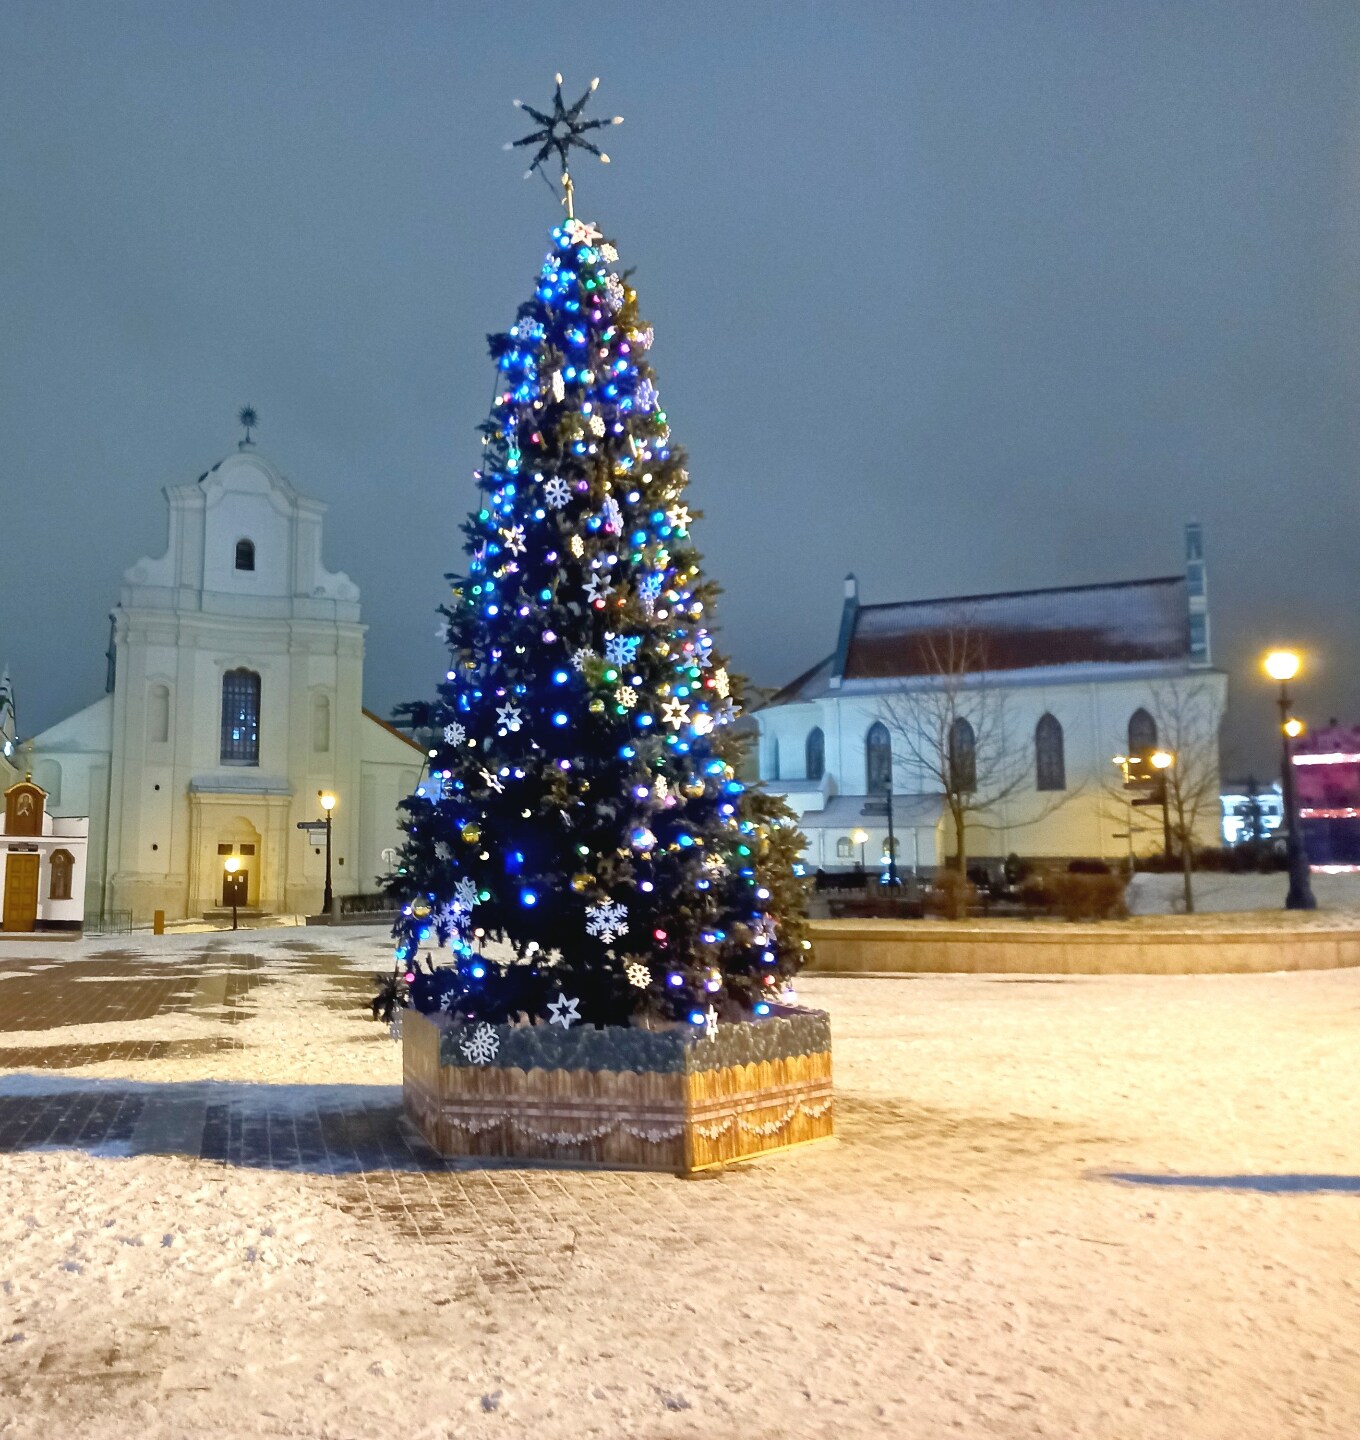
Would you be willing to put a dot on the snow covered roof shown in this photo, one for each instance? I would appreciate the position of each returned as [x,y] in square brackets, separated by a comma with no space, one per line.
[1119,623]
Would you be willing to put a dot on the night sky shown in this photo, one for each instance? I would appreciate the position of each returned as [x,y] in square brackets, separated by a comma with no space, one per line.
[961,297]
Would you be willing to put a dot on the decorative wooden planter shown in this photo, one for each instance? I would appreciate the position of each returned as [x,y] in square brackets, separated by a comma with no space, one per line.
[619,1098]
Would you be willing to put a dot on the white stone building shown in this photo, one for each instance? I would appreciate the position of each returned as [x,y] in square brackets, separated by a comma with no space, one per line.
[234,699]
[1080,674]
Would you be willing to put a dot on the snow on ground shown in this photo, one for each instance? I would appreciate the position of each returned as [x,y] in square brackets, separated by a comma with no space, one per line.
[962,1260]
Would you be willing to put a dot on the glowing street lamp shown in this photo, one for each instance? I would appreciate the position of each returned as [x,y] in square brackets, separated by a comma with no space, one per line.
[861,838]
[231,865]
[1283,665]
[328,901]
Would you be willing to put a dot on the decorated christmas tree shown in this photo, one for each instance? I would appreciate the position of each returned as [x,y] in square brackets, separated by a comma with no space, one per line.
[582,803]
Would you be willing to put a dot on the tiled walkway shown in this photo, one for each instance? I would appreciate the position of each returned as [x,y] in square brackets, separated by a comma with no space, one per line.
[277,1127]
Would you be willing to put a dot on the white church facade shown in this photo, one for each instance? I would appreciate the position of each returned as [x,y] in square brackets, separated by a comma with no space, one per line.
[1071,679]
[235,699]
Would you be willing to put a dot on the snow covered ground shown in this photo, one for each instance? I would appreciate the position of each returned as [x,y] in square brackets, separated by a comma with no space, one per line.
[1123,1207]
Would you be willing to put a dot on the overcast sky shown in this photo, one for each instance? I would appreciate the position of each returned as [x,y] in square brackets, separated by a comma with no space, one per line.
[963,297]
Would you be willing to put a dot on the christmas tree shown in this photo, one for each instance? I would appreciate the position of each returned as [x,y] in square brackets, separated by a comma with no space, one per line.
[582,802]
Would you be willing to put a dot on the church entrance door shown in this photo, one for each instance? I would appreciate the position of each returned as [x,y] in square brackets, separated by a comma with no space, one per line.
[21,892]
[235,888]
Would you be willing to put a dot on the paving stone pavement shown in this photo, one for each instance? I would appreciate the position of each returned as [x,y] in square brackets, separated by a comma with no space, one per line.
[516,1228]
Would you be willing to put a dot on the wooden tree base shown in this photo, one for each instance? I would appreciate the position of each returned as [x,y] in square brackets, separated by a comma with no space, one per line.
[682,1109]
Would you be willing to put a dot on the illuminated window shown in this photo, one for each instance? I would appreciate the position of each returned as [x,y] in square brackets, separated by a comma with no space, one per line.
[240,718]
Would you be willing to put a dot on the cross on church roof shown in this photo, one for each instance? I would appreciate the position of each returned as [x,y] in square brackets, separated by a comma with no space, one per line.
[250,420]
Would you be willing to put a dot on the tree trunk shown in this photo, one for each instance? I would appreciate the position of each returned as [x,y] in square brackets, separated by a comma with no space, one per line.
[960,898]
[1187,873]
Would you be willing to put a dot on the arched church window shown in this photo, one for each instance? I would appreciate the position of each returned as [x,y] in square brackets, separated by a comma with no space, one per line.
[63,867]
[1142,733]
[245,554]
[962,756]
[240,718]
[1049,767]
[877,759]
[321,723]
[815,753]
[158,715]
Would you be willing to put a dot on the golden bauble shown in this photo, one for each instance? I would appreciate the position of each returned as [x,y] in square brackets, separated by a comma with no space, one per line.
[472,833]
[420,909]
[581,882]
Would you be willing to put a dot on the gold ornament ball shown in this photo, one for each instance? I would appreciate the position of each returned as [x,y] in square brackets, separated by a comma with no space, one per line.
[472,833]
[580,882]
[596,706]
[420,909]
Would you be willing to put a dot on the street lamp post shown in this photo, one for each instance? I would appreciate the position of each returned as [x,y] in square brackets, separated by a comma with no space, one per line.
[1283,665]
[893,881]
[231,865]
[328,900]
[1162,761]
[861,838]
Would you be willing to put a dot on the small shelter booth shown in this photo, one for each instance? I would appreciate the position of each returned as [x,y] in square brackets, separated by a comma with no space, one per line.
[42,863]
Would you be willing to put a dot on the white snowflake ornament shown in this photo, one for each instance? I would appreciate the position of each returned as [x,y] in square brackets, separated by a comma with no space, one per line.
[465,894]
[454,733]
[482,1046]
[607,921]
[581,656]
[556,492]
[626,696]
[638,974]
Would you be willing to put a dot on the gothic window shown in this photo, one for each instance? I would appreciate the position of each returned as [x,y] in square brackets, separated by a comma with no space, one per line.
[321,723]
[962,756]
[1142,733]
[63,866]
[245,554]
[844,850]
[240,718]
[815,752]
[877,760]
[158,715]
[1049,767]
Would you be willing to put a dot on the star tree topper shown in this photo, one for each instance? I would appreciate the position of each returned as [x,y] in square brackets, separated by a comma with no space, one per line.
[562,131]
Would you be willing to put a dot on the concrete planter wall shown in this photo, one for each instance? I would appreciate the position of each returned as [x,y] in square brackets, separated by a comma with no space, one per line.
[621,1098]
[850,947]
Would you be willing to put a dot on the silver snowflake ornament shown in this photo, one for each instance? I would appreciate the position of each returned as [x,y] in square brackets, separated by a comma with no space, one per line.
[556,492]
[465,894]
[613,516]
[613,293]
[482,1046]
[454,733]
[607,920]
